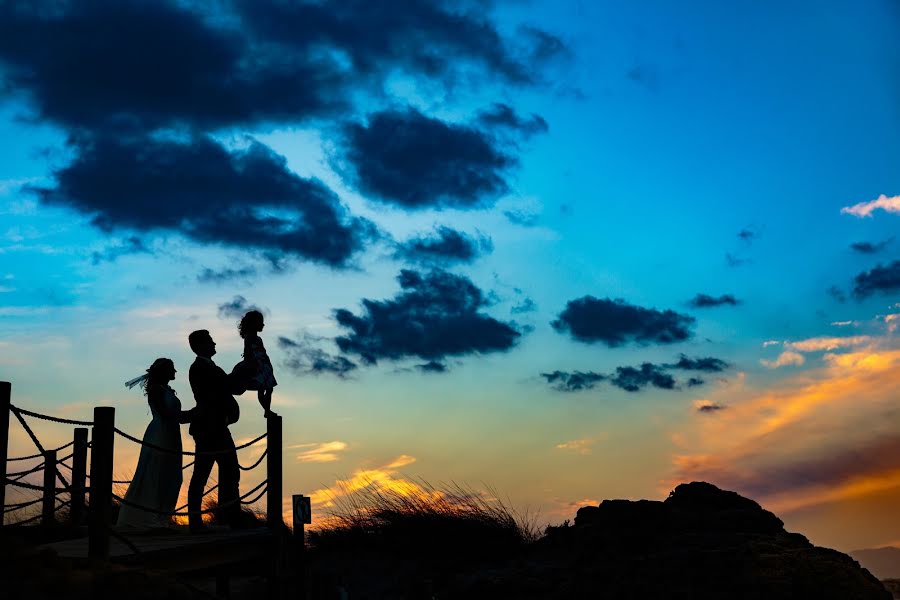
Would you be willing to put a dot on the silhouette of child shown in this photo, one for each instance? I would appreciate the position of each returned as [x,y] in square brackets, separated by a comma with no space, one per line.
[257,368]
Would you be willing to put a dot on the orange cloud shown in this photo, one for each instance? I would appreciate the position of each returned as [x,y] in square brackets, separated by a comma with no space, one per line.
[820,436]
[320,453]
[865,209]
[818,344]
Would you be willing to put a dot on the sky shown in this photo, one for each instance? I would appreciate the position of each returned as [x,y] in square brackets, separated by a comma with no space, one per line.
[554,251]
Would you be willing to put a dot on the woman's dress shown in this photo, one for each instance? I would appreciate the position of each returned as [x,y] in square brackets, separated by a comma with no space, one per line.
[157,479]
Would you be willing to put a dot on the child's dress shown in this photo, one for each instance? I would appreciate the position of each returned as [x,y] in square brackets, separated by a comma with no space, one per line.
[260,375]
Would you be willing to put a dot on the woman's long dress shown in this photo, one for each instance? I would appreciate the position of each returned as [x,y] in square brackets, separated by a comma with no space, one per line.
[157,479]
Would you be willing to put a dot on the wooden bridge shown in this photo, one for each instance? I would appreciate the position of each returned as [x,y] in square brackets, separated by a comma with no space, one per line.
[271,549]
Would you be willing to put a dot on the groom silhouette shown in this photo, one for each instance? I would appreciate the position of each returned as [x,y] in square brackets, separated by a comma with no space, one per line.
[216,409]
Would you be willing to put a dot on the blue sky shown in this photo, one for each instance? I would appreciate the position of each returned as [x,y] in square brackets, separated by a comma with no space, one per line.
[689,148]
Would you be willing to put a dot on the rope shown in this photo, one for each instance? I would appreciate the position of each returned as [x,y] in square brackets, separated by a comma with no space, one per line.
[49,418]
[39,515]
[37,443]
[185,452]
[13,507]
[256,464]
[30,486]
[205,494]
[66,457]
[41,455]
[20,474]
[194,512]
[261,494]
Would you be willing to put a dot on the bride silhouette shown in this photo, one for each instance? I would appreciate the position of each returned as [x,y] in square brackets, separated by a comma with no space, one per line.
[157,478]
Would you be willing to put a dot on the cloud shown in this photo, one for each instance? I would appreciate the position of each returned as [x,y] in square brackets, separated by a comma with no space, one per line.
[615,322]
[837,293]
[236,308]
[704,406]
[633,379]
[706,364]
[526,305]
[195,65]
[321,452]
[582,446]
[865,209]
[413,161]
[443,247]
[432,366]
[125,247]
[707,301]
[573,382]
[242,198]
[208,275]
[818,344]
[870,247]
[784,359]
[304,357]
[503,116]
[155,64]
[523,218]
[383,478]
[881,279]
[735,261]
[748,234]
[436,315]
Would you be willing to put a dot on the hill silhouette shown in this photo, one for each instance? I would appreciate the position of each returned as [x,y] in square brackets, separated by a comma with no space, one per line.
[700,543]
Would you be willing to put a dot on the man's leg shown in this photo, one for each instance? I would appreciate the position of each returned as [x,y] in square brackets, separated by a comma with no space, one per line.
[202,467]
[229,481]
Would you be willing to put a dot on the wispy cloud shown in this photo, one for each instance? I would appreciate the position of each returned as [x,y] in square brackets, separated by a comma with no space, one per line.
[865,209]
[582,446]
[784,359]
[818,344]
[320,452]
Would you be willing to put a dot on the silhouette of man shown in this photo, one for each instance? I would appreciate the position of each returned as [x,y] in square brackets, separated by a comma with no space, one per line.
[216,409]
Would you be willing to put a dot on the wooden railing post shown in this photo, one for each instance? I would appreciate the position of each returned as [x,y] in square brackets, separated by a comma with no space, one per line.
[5,392]
[100,508]
[273,472]
[48,505]
[302,515]
[79,470]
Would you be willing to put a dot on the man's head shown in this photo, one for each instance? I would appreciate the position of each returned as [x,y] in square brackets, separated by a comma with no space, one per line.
[202,343]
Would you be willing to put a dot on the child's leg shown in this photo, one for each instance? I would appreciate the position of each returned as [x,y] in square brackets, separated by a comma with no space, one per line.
[265,400]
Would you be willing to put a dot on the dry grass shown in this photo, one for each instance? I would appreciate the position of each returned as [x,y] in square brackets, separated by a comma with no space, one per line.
[447,521]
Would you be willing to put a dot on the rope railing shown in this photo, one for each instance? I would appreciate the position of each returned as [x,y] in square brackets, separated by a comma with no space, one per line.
[34,518]
[20,505]
[190,512]
[39,455]
[18,413]
[52,419]
[17,475]
[256,464]
[185,452]
[205,494]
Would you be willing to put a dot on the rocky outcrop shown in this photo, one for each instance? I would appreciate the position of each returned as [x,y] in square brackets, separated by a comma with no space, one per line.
[700,543]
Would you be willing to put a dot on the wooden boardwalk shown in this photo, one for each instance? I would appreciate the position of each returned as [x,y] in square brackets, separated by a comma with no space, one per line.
[179,551]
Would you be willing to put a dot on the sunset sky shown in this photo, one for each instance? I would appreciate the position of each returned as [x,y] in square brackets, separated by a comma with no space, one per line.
[564,251]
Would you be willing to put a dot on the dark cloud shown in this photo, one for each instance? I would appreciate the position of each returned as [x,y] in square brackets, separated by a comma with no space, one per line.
[710,408]
[707,301]
[615,322]
[733,260]
[241,198]
[140,64]
[436,315]
[443,247]
[521,217]
[526,305]
[837,293]
[304,357]
[747,235]
[633,379]
[208,275]
[236,308]
[881,279]
[707,364]
[573,382]
[408,159]
[695,381]
[430,38]
[432,366]
[870,247]
[503,116]
[130,245]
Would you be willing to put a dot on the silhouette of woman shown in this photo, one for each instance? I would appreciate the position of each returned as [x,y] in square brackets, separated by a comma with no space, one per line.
[157,478]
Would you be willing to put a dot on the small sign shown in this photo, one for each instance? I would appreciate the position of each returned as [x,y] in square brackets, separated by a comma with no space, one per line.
[302,509]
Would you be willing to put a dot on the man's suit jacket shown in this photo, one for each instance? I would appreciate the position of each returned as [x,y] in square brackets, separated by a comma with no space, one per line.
[216,408]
